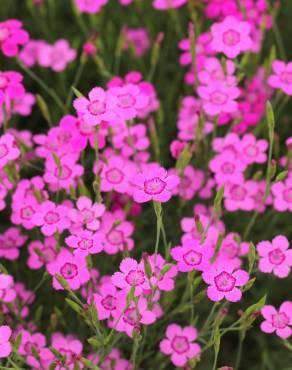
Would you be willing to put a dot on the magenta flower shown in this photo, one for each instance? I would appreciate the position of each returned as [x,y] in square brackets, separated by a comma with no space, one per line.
[132,275]
[168,4]
[5,346]
[11,37]
[253,151]
[52,218]
[282,191]
[64,174]
[128,100]
[219,98]
[41,253]
[275,256]
[115,174]
[138,39]
[8,149]
[240,196]
[7,288]
[231,36]
[11,87]
[56,56]
[72,268]
[10,242]
[97,108]
[106,301]
[179,344]
[85,243]
[158,280]
[224,281]
[227,167]
[278,321]
[192,256]
[70,347]
[282,76]
[116,232]
[90,6]
[154,183]
[133,316]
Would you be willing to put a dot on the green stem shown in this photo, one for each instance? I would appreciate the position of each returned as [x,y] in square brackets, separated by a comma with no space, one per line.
[76,80]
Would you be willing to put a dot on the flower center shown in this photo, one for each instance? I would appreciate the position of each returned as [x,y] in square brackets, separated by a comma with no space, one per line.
[286,77]
[114,176]
[132,317]
[85,244]
[69,270]
[109,302]
[63,172]
[3,150]
[237,192]
[192,258]
[26,212]
[218,97]
[88,215]
[276,256]
[231,37]
[228,168]
[180,344]
[115,237]
[52,217]
[48,254]
[231,249]
[126,100]
[287,195]
[224,282]
[135,277]
[251,150]
[154,186]
[280,320]
[96,107]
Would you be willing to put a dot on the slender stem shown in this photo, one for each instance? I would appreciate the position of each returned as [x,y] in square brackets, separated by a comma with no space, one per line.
[76,80]
[239,352]
[48,90]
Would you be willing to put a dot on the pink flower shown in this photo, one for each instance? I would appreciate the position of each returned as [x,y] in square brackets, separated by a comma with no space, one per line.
[62,174]
[240,196]
[282,192]
[7,288]
[224,281]
[116,174]
[179,344]
[11,36]
[282,77]
[190,182]
[52,218]
[69,347]
[87,213]
[72,268]
[231,36]
[97,108]
[85,243]
[129,100]
[219,98]
[168,4]
[253,151]
[5,346]
[162,280]
[41,253]
[8,149]
[116,232]
[227,167]
[129,319]
[56,56]
[132,275]
[279,321]
[154,183]
[275,256]
[138,39]
[192,256]
[90,6]
[176,148]
[11,87]
[106,301]
[10,242]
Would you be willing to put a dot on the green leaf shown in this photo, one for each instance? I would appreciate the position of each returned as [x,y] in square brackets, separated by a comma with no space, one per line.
[255,307]
[218,200]
[282,176]
[44,109]
[270,118]
[75,306]
[251,257]
[76,92]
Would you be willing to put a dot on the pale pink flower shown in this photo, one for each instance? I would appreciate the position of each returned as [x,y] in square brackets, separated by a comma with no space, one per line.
[85,243]
[282,192]
[154,183]
[5,346]
[90,6]
[132,275]
[224,281]
[231,36]
[179,344]
[252,150]
[56,56]
[281,77]
[41,253]
[71,267]
[168,4]
[279,321]
[275,256]
[240,195]
[52,218]
[227,167]
[8,149]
